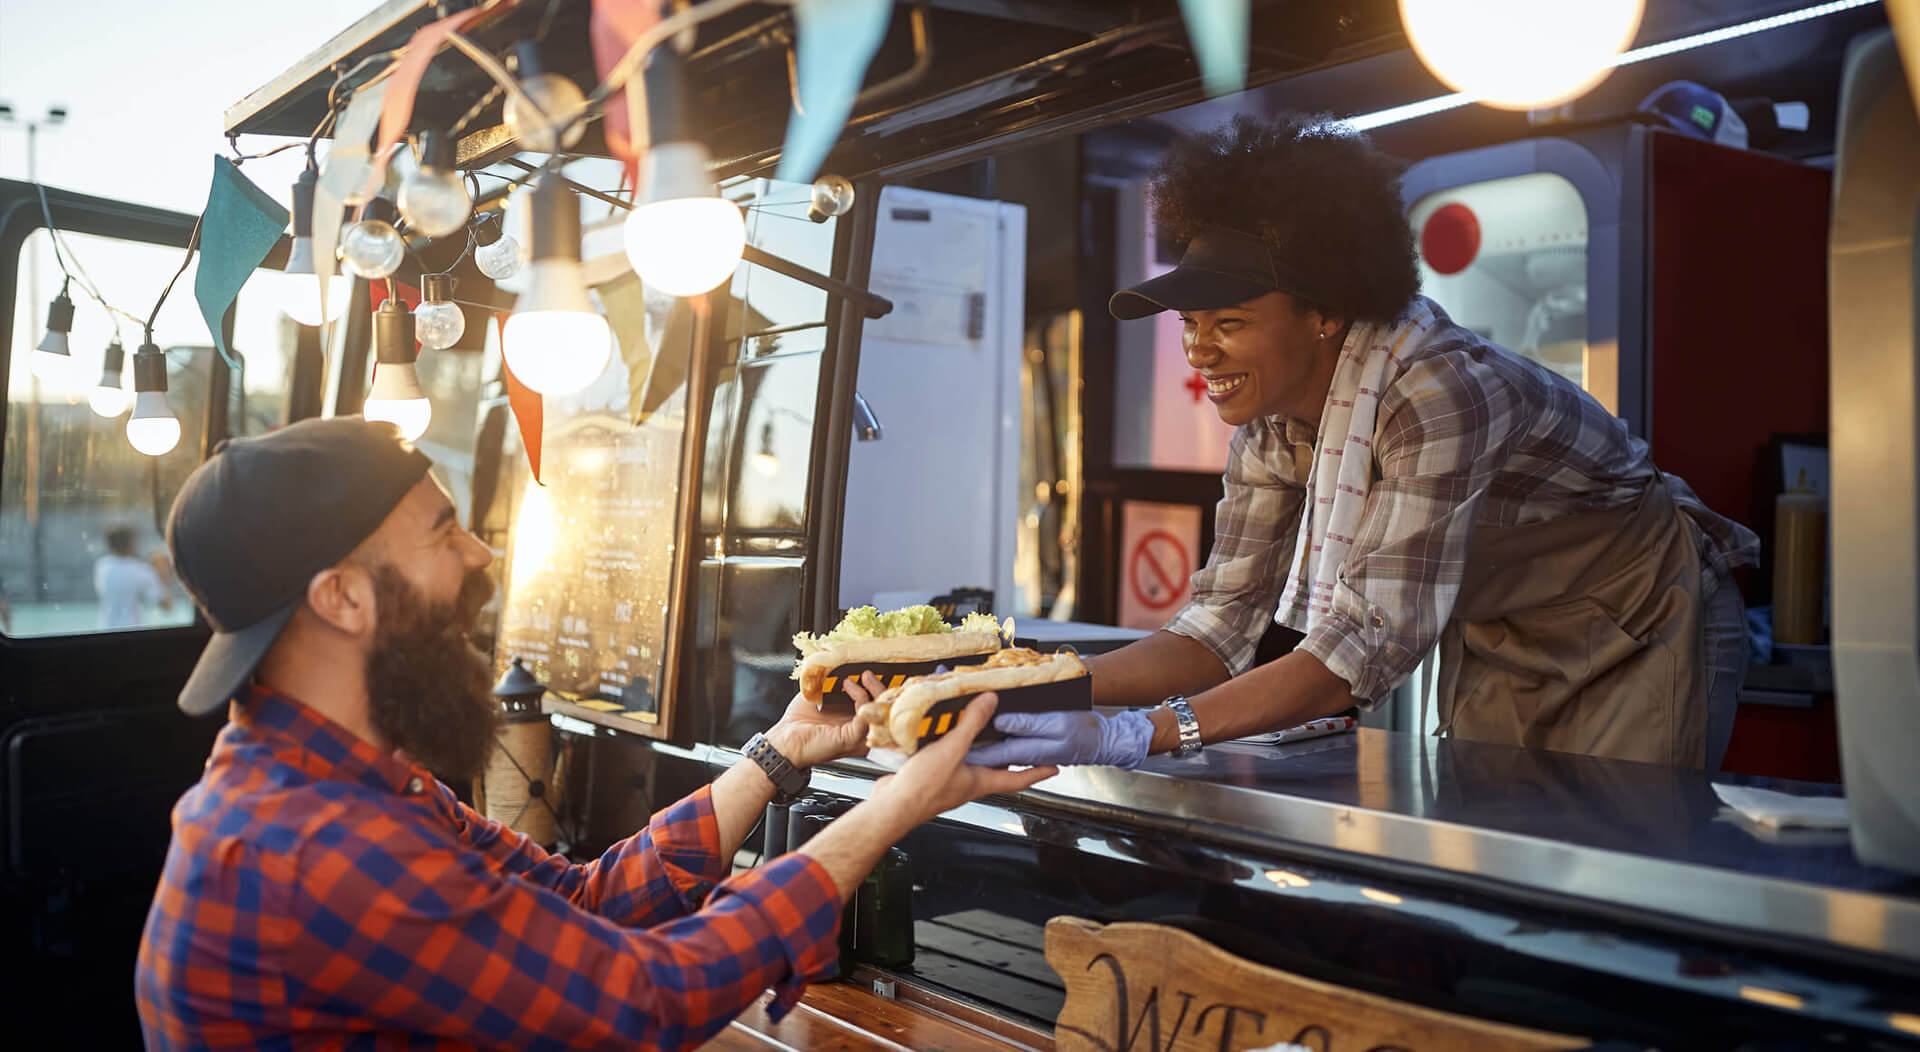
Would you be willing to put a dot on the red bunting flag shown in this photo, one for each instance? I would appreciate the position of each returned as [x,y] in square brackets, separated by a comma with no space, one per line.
[615,25]
[528,410]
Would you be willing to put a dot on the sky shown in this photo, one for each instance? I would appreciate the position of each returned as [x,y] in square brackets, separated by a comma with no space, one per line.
[145,87]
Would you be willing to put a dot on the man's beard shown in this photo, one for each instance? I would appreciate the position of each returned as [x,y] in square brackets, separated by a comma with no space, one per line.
[428,689]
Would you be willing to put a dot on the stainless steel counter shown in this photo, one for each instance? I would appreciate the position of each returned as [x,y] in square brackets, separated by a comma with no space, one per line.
[1631,837]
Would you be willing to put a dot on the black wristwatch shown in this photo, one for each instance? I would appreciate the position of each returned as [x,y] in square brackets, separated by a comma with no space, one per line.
[788,781]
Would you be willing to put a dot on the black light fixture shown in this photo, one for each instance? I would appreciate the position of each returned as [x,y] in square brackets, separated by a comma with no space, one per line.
[52,360]
[682,237]
[555,342]
[396,397]
[304,306]
[109,397]
[152,429]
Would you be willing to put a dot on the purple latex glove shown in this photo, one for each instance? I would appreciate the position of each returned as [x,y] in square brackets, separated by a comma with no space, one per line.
[1037,739]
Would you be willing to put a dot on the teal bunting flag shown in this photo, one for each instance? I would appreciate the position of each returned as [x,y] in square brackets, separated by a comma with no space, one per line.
[1218,29]
[237,230]
[837,42]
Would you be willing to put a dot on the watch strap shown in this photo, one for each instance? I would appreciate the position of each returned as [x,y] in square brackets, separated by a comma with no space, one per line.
[789,782]
[1187,723]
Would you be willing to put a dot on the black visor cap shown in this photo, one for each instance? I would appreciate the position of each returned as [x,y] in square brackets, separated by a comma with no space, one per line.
[1221,268]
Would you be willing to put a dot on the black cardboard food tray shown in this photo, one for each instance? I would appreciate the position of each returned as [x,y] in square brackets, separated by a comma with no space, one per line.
[1064,695]
[834,697]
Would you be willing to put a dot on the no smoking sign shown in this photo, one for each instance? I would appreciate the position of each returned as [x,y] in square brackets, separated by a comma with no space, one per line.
[1158,546]
[1157,570]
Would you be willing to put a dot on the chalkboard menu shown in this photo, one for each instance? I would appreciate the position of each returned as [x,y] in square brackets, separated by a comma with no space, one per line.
[590,560]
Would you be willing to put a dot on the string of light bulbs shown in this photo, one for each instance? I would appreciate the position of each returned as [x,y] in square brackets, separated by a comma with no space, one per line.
[681,236]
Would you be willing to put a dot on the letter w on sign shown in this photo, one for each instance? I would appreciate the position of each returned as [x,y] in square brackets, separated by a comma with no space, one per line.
[1150,988]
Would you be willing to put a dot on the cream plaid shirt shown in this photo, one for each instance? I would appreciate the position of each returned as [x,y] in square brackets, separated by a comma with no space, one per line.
[1468,435]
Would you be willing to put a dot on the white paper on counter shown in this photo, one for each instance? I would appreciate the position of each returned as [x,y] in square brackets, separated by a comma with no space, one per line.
[1777,810]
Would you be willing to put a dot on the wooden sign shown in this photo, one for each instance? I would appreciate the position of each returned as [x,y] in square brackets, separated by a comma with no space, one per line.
[1149,988]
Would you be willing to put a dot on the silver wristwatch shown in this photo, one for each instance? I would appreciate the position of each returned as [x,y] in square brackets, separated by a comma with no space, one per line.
[1188,724]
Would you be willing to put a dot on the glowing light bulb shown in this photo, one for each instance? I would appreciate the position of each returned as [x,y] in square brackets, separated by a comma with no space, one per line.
[396,396]
[372,249]
[107,401]
[306,274]
[683,240]
[832,196]
[398,399]
[500,258]
[434,199]
[556,343]
[152,429]
[108,398]
[52,367]
[558,99]
[52,360]
[303,298]
[1518,54]
[557,352]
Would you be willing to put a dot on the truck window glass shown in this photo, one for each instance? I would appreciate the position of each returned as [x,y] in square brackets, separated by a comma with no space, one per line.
[81,511]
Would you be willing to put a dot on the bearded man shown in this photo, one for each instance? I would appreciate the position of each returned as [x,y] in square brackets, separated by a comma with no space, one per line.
[323,889]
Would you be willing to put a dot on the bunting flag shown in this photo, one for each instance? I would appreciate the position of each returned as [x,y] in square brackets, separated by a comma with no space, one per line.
[615,25]
[837,42]
[239,227]
[349,163]
[377,294]
[343,175]
[404,82]
[626,308]
[528,410]
[1218,29]
[667,372]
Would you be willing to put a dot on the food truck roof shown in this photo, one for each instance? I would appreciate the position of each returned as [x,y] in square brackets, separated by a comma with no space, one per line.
[956,78]
[1003,67]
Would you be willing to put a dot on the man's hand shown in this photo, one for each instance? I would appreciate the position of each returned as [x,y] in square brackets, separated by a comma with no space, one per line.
[938,778]
[808,737]
[935,779]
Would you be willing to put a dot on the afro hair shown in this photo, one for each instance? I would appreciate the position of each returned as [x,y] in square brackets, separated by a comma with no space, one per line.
[1324,199]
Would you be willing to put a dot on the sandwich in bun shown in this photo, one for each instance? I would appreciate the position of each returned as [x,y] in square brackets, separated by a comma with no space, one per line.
[904,717]
[893,645]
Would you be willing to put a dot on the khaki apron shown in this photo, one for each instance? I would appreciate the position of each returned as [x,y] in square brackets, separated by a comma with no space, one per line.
[1582,635]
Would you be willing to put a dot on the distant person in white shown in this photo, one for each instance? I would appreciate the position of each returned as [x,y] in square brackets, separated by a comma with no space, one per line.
[127,584]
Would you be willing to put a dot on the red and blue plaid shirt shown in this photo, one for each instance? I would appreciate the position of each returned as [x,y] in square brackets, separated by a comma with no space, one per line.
[319,894]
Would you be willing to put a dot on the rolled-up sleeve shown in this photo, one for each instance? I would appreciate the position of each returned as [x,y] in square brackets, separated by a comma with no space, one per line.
[1234,594]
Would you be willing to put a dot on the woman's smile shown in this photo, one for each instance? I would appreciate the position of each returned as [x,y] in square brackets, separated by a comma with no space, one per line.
[1222,388]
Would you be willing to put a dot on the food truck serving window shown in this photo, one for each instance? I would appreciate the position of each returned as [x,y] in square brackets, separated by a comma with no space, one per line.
[81,510]
[590,559]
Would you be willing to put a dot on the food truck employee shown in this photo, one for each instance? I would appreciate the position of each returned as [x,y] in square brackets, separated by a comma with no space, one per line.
[323,889]
[1396,481]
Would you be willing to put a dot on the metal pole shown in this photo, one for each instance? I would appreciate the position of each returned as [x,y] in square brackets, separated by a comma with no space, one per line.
[36,535]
